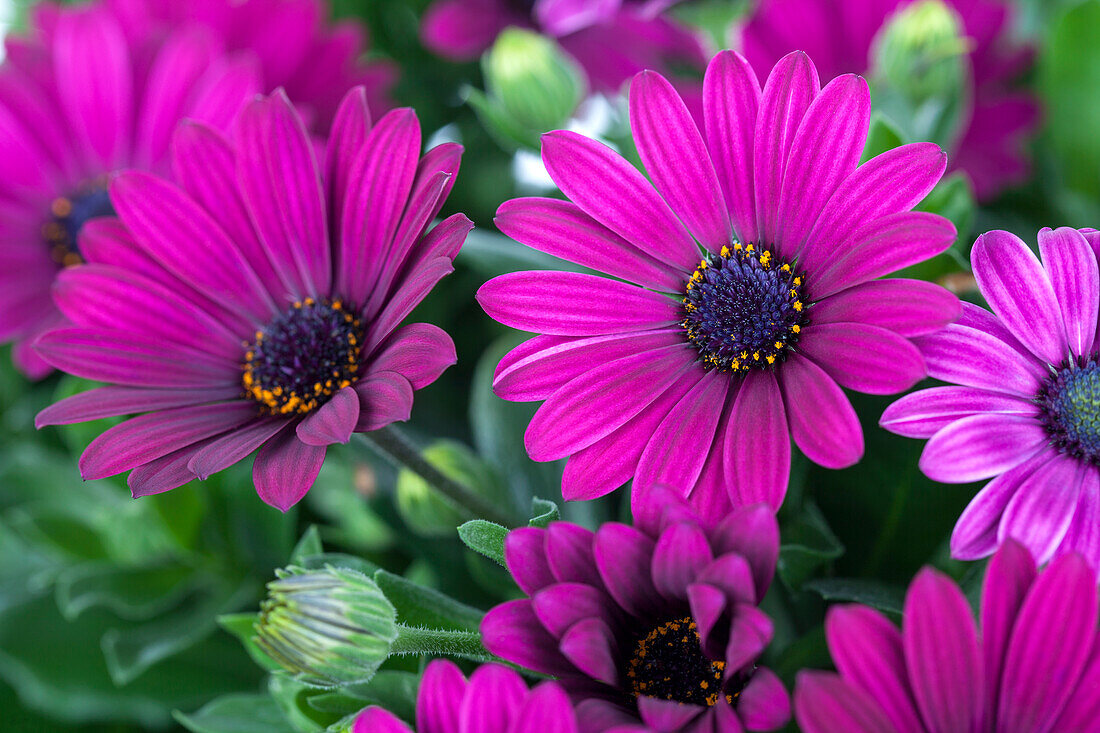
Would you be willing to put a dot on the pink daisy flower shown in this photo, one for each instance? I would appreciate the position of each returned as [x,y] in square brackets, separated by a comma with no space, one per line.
[612,41]
[99,87]
[745,293]
[990,147]
[1022,408]
[258,304]
[1033,666]
[494,700]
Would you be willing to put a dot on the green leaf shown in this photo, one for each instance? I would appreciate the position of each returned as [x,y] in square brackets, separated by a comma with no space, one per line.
[132,593]
[498,428]
[237,714]
[293,698]
[1069,75]
[808,543]
[56,529]
[485,537]
[309,544]
[884,135]
[243,626]
[395,691]
[418,605]
[884,597]
[544,511]
[129,652]
[337,703]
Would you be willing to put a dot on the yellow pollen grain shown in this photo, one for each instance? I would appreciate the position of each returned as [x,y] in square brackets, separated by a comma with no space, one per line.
[61,207]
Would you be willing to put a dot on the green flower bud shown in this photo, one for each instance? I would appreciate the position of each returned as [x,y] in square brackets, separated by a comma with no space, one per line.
[532,87]
[921,71]
[427,512]
[327,627]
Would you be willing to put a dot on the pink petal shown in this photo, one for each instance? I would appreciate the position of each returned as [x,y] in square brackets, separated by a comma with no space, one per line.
[285,469]
[757,448]
[1075,278]
[981,446]
[333,422]
[823,423]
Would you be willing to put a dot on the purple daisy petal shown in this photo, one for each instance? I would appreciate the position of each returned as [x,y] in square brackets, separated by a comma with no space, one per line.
[1074,276]
[824,703]
[561,229]
[590,645]
[623,557]
[906,307]
[333,422]
[614,193]
[229,448]
[494,695]
[922,414]
[1083,707]
[825,150]
[285,469]
[569,553]
[753,533]
[555,431]
[384,398]
[561,605]
[868,653]
[547,710]
[512,631]
[114,401]
[675,157]
[1040,675]
[981,446]
[1007,581]
[680,554]
[1019,292]
[144,438]
[673,456]
[1083,535]
[1040,512]
[525,554]
[731,97]
[823,423]
[573,304]
[764,703]
[941,654]
[973,358]
[665,715]
[419,352]
[441,691]
[750,633]
[788,92]
[758,469]
[377,720]
[884,245]
[975,533]
[863,358]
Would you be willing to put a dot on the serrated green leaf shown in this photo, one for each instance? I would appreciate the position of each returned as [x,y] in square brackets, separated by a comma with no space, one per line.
[237,714]
[486,538]
[418,605]
[884,597]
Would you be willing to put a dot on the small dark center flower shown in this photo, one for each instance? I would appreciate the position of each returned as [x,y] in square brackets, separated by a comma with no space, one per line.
[303,357]
[1069,406]
[743,309]
[668,663]
[69,214]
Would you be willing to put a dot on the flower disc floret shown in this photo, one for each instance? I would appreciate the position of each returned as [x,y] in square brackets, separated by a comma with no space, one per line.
[1069,406]
[303,357]
[68,215]
[743,309]
[668,663]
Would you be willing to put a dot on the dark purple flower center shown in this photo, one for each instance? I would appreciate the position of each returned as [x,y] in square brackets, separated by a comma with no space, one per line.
[743,309]
[303,357]
[1069,406]
[668,663]
[525,7]
[69,214]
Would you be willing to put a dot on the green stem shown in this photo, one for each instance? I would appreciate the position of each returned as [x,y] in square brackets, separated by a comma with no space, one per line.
[398,450]
[436,642]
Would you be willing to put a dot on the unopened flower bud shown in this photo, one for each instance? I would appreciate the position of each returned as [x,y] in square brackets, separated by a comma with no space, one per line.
[327,627]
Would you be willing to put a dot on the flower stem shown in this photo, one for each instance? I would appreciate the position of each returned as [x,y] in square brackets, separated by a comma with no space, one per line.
[403,454]
[436,642]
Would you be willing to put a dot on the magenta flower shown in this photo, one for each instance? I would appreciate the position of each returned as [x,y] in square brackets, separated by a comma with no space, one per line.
[258,305]
[749,298]
[991,147]
[495,700]
[612,41]
[1034,666]
[1026,408]
[657,623]
[100,87]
